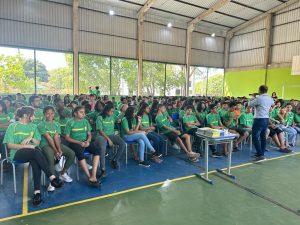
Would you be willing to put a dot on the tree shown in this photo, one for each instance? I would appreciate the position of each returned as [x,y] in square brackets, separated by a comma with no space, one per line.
[41,70]
[215,85]
[12,75]
[153,78]
[175,79]
[60,81]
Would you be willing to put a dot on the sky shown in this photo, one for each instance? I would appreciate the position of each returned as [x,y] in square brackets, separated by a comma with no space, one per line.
[51,60]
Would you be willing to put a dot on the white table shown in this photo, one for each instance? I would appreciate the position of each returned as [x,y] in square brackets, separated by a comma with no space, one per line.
[228,139]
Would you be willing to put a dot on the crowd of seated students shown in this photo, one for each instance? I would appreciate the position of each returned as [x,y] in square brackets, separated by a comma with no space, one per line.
[43,129]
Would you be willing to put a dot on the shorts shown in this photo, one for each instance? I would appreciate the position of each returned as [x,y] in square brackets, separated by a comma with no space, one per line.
[274,131]
[239,130]
[173,136]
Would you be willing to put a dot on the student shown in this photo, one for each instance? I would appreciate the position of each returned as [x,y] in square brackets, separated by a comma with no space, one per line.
[5,121]
[92,101]
[67,100]
[223,110]
[214,121]
[282,118]
[78,134]
[174,135]
[59,104]
[231,122]
[105,124]
[191,125]
[35,102]
[63,119]
[22,139]
[123,110]
[8,102]
[289,116]
[92,116]
[275,109]
[297,120]
[277,135]
[246,120]
[146,125]
[52,148]
[130,132]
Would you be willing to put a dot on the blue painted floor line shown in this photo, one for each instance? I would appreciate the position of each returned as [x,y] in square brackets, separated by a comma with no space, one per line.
[128,176]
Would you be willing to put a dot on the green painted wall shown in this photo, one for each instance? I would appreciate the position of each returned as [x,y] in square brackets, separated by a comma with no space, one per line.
[243,82]
[279,80]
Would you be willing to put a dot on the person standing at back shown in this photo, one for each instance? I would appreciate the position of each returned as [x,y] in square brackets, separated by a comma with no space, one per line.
[262,105]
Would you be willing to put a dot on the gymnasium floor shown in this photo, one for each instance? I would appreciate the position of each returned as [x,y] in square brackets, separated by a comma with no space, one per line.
[168,193]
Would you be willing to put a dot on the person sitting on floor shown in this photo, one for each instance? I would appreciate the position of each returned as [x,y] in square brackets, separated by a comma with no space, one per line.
[22,139]
[174,135]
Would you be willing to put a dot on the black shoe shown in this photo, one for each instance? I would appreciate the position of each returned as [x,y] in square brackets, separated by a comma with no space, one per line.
[114,164]
[57,183]
[157,154]
[235,149]
[216,155]
[260,158]
[96,183]
[37,199]
[102,175]
[285,150]
[144,164]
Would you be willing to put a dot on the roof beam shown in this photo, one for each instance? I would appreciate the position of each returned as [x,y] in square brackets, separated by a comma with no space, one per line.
[260,17]
[144,9]
[248,6]
[214,8]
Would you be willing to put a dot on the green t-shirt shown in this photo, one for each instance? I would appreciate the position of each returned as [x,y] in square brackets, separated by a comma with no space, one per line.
[213,119]
[50,128]
[201,117]
[189,119]
[63,123]
[5,118]
[116,114]
[163,121]
[290,118]
[145,121]
[125,126]
[274,112]
[68,114]
[181,113]
[222,112]
[297,118]
[92,115]
[11,110]
[106,124]
[228,116]
[39,116]
[78,129]
[279,119]
[246,119]
[172,110]
[17,132]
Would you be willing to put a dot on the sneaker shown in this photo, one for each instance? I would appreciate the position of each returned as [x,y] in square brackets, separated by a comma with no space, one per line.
[216,155]
[89,166]
[156,159]
[285,150]
[114,164]
[194,159]
[58,167]
[144,164]
[66,178]
[57,183]
[37,199]
[96,183]
[50,188]
[175,146]
[260,159]
[193,155]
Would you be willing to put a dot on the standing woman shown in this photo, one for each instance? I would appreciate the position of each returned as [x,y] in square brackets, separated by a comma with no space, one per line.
[146,125]
[52,148]
[78,134]
[130,132]
[105,124]
[22,139]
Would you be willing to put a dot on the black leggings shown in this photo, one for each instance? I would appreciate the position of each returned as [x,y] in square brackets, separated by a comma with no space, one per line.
[37,161]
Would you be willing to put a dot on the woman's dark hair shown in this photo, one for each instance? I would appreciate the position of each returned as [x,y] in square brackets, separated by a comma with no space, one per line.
[142,108]
[4,109]
[84,102]
[25,110]
[67,99]
[87,108]
[106,109]
[48,108]
[129,116]
[200,107]
[154,106]
[77,108]
[99,106]
[62,113]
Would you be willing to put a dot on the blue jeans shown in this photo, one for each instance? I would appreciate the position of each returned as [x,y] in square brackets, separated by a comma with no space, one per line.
[157,140]
[142,140]
[259,132]
[292,134]
[297,129]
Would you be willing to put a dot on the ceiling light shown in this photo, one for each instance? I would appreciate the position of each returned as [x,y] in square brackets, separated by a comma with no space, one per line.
[213,34]
[111,12]
[169,25]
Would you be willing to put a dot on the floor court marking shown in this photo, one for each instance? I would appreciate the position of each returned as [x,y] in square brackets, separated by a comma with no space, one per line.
[25,192]
[131,190]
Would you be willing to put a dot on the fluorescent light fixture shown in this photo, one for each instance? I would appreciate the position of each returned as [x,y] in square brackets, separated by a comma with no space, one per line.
[169,25]
[111,12]
[213,34]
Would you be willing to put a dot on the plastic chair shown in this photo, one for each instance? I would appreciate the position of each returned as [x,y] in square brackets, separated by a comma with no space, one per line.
[14,164]
[86,154]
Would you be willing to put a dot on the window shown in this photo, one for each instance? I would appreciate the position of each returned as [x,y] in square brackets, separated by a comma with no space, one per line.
[94,71]
[198,81]
[123,76]
[153,78]
[175,80]
[54,72]
[16,70]
[215,82]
